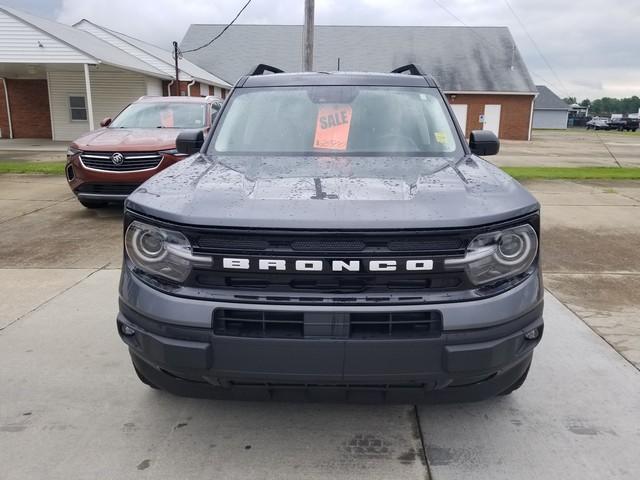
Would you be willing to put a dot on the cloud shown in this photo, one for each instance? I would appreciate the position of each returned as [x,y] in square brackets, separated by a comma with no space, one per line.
[584,42]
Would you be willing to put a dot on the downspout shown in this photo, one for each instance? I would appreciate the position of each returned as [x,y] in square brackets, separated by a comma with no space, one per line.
[531,118]
[169,88]
[193,82]
[6,98]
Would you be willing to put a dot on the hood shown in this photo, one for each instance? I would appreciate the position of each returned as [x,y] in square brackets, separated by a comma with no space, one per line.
[332,193]
[141,139]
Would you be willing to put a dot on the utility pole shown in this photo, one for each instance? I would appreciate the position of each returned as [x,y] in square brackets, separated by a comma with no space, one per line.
[175,56]
[307,47]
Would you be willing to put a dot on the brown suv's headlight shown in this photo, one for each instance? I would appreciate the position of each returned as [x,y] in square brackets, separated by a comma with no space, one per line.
[72,151]
[497,255]
[161,252]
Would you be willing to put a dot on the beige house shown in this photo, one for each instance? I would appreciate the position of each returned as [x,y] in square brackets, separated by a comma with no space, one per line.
[58,81]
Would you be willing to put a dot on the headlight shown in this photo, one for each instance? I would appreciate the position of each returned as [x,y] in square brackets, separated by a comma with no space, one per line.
[72,151]
[161,252]
[497,255]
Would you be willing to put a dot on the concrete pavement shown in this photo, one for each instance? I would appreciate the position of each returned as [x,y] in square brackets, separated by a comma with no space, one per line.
[590,255]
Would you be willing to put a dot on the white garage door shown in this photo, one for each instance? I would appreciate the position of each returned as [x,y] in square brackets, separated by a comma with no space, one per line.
[492,118]
[460,111]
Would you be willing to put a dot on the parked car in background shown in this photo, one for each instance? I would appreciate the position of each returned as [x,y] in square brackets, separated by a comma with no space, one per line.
[108,164]
[623,123]
[598,123]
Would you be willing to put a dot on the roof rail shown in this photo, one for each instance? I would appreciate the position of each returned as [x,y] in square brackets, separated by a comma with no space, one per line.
[262,67]
[412,68]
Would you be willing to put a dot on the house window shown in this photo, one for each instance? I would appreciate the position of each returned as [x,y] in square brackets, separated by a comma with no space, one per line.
[78,108]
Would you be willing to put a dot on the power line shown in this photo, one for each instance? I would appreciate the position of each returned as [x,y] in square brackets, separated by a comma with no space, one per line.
[483,39]
[537,48]
[220,34]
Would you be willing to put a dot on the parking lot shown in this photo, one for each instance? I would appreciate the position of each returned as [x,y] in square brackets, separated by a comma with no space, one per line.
[575,147]
[72,407]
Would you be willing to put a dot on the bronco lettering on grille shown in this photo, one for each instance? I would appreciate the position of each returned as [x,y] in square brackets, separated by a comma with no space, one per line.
[324,265]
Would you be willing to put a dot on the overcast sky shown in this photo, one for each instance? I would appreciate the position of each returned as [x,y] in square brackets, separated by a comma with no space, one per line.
[590,45]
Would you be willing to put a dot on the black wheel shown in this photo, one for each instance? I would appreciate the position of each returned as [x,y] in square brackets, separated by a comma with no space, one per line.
[144,379]
[633,130]
[92,204]
[517,384]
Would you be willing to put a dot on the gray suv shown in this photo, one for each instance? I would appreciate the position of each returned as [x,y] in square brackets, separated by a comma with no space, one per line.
[333,238]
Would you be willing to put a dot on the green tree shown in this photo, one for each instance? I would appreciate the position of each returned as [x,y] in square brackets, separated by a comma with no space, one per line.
[608,105]
[570,100]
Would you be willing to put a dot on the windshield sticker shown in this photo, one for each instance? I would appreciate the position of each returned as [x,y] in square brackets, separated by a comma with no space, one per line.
[332,127]
[441,137]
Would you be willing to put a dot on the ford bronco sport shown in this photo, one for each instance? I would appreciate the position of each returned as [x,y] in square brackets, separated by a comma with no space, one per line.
[333,238]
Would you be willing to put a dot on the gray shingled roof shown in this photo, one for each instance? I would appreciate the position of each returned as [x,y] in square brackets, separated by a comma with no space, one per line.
[547,100]
[478,59]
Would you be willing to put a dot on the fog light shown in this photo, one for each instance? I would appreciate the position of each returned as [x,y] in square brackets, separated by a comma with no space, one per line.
[532,334]
[128,331]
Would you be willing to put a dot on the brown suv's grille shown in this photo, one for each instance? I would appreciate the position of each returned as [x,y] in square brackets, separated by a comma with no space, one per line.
[131,162]
[296,324]
[108,188]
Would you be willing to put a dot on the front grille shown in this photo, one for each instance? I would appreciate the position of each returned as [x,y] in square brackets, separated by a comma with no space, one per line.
[108,188]
[131,162]
[296,324]
[322,245]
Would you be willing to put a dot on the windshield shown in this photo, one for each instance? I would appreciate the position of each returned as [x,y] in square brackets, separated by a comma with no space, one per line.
[336,120]
[161,115]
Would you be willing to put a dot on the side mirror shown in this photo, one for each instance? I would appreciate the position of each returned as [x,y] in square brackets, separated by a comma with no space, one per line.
[484,142]
[106,122]
[215,108]
[190,142]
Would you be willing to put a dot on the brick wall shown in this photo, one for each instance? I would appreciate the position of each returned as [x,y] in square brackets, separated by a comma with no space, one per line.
[514,114]
[29,103]
[4,118]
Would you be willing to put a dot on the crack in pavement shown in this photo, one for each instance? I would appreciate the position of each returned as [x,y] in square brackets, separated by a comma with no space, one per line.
[47,301]
[33,211]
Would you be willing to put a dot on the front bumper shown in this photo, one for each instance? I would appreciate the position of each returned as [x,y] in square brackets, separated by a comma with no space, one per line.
[172,344]
[108,186]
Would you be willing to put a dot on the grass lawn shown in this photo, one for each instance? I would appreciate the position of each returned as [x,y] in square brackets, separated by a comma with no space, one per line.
[573,173]
[520,173]
[49,168]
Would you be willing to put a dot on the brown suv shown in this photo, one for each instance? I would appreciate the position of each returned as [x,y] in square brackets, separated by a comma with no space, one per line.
[106,165]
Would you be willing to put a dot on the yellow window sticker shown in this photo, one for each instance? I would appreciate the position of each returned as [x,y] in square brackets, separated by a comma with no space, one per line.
[441,137]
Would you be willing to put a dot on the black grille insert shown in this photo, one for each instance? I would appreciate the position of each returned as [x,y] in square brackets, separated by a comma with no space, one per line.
[108,188]
[296,324]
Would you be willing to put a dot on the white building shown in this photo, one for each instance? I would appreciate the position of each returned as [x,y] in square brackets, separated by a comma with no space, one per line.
[549,110]
[59,81]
